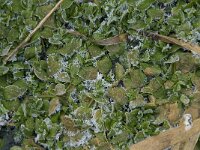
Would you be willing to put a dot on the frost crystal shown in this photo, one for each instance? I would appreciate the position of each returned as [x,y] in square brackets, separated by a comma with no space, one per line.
[187,121]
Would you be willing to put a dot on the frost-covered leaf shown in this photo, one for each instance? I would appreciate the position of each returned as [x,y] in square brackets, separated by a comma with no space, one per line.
[133,57]
[155,13]
[40,73]
[172,59]
[16,148]
[118,95]
[144,4]
[88,73]
[115,50]
[12,92]
[62,77]
[68,123]
[5,51]
[67,4]
[113,40]
[30,52]
[184,99]
[150,71]
[137,77]
[54,106]
[94,50]
[104,65]
[60,89]
[71,46]
[53,65]
[3,70]
[29,144]
[119,71]
[77,85]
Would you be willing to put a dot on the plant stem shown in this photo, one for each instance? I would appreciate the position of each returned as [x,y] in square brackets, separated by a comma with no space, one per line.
[23,43]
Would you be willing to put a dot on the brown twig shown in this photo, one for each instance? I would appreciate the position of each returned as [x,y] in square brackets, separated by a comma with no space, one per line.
[22,44]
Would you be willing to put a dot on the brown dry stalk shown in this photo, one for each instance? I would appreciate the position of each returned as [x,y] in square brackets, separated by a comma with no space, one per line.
[22,44]
[123,37]
[168,138]
[192,47]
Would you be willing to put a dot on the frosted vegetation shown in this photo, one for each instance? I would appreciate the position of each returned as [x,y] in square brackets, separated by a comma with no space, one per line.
[64,91]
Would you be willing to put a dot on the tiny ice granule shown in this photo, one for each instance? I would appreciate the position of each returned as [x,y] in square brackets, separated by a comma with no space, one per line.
[37,138]
[99,76]
[187,121]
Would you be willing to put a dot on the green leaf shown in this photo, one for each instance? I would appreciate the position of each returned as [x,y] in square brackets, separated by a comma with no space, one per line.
[104,65]
[68,123]
[3,70]
[60,89]
[42,11]
[119,71]
[95,50]
[152,71]
[137,102]
[67,4]
[70,46]
[144,4]
[118,95]
[184,99]
[115,50]
[16,148]
[39,70]
[155,13]
[47,33]
[137,77]
[62,77]
[54,106]
[88,73]
[139,137]
[12,92]
[30,52]
[172,59]
[54,65]
[133,57]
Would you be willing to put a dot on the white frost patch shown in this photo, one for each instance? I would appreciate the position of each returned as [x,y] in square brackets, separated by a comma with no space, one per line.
[70,133]
[3,120]
[187,121]
[29,77]
[58,135]
[111,75]
[99,76]
[84,139]
[37,138]
[48,123]
[76,62]
[64,64]
[167,47]
[93,124]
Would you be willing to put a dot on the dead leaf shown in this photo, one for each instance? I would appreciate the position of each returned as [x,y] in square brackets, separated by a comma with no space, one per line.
[113,40]
[54,105]
[168,138]
[167,39]
[68,123]
[171,112]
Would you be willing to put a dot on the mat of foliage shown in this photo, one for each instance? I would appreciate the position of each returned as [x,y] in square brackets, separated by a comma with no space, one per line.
[65,92]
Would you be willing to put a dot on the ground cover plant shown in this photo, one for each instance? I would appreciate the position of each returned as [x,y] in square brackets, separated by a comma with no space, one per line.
[98,74]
